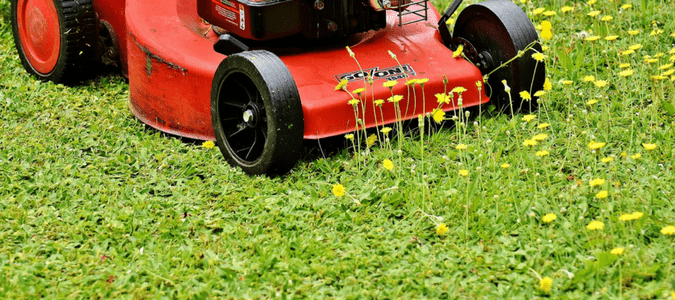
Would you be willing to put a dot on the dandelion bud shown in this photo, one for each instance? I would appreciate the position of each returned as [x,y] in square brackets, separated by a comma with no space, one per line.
[351,54]
[479,84]
[393,56]
[420,121]
[445,79]
[506,86]
[460,101]
[467,114]
[475,123]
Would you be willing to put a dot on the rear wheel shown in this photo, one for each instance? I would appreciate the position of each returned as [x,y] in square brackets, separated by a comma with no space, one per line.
[55,38]
[493,32]
[256,113]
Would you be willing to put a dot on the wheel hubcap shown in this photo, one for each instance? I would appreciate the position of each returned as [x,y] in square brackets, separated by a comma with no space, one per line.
[251,115]
[39,30]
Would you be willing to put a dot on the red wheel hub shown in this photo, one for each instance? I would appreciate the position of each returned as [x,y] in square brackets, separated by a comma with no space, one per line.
[40,33]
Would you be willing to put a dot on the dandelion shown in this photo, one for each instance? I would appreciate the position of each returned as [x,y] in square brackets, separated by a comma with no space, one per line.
[411,81]
[589,78]
[530,143]
[547,85]
[635,47]
[591,102]
[378,102]
[627,52]
[390,83]
[358,91]
[611,37]
[617,251]
[565,9]
[600,83]
[463,173]
[525,95]
[595,225]
[458,90]
[634,32]
[593,14]
[549,13]
[636,156]
[395,98]
[597,182]
[458,53]
[602,195]
[606,18]
[539,56]
[595,146]
[624,65]
[539,10]
[371,140]
[546,25]
[208,144]
[546,34]
[607,159]
[461,147]
[545,284]
[540,137]
[388,164]
[442,98]
[566,82]
[539,94]
[504,166]
[338,190]
[626,73]
[649,147]
[528,118]
[668,230]
[353,102]
[341,85]
[386,130]
[543,125]
[592,38]
[630,217]
[541,153]
[626,6]
[438,115]
[548,218]
[441,229]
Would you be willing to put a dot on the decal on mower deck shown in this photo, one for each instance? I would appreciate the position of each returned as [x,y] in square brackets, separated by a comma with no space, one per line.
[229,11]
[390,73]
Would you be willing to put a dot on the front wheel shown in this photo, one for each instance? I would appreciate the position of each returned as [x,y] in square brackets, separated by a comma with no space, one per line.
[256,113]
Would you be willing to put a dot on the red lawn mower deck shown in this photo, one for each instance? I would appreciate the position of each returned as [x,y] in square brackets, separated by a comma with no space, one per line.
[260,76]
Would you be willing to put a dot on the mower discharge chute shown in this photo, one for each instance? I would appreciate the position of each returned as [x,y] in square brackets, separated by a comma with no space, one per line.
[258,76]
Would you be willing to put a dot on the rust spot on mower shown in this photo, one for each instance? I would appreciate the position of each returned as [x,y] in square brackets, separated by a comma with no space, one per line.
[150,56]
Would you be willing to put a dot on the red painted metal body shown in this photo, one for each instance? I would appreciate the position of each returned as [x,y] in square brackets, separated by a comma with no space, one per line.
[166,51]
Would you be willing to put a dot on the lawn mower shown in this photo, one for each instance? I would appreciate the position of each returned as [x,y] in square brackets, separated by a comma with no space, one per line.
[259,76]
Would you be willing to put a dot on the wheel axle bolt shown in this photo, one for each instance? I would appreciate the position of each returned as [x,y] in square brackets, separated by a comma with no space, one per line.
[319,5]
[248,116]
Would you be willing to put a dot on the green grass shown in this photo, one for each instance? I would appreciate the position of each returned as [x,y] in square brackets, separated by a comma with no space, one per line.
[94,205]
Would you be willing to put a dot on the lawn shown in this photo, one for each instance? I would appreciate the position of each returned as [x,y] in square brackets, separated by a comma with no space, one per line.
[575,200]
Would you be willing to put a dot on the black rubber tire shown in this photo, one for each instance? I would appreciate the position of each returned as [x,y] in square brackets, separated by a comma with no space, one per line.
[270,141]
[502,28]
[78,26]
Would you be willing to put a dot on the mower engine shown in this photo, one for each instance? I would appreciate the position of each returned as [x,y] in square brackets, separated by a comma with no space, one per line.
[270,19]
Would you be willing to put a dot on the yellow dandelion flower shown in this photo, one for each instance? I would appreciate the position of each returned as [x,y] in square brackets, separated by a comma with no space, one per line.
[539,94]
[546,34]
[593,145]
[543,125]
[626,73]
[666,66]
[668,73]
[378,102]
[592,38]
[341,85]
[627,52]
[338,190]
[442,98]
[540,137]
[589,78]
[595,225]
[566,82]
[504,166]
[458,90]
[371,140]
[649,147]
[546,25]
[358,91]
[591,2]
[668,230]
[626,6]
[545,284]
[386,130]
[655,32]
[525,95]
[544,48]
[441,229]
[617,251]
[634,32]
[672,35]
[353,102]
[541,153]
[636,215]
[626,217]
[438,115]
[539,56]
[602,195]
[600,83]
[624,65]
[549,13]
[606,18]
[457,53]
[591,102]
[636,156]
[461,147]
[635,47]
[565,9]
[659,77]
[671,51]
[596,182]
[593,14]
[422,81]
[607,159]
[395,98]
[547,85]
[349,136]
[388,164]
[539,10]
[530,143]
[611,37]
[528,118]
[548,218]
[651,60]
[390,83]
[208,144]
[623,154]
[463,173]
